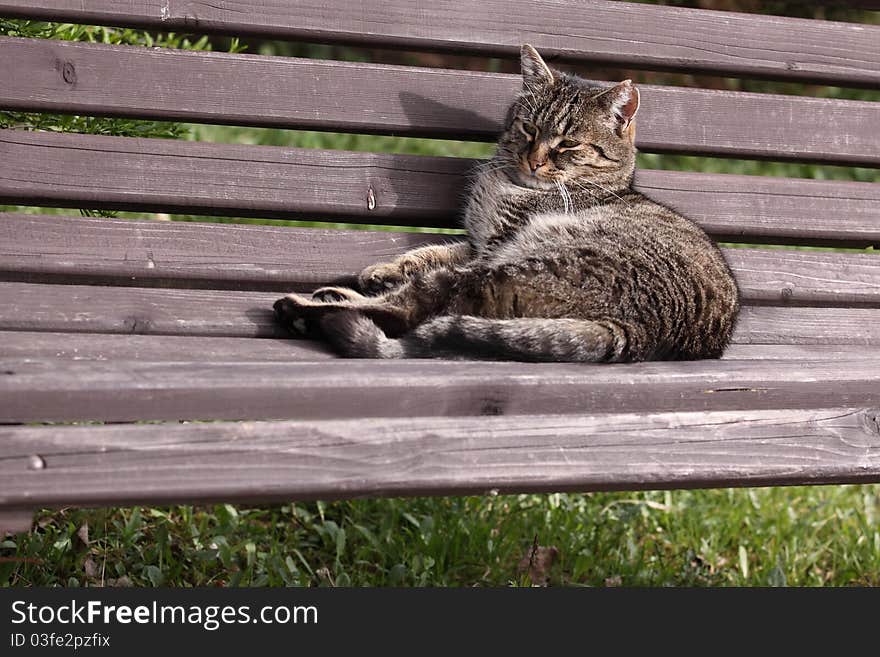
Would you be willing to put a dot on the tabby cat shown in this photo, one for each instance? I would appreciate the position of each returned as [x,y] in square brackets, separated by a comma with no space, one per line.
[563,260]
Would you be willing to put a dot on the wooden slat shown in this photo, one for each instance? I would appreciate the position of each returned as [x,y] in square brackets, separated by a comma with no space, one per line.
[143,311]
[213,313]
[780,276]
[763,208]
[55,390]
[73,249]
[795,351]
[301,93]
[261,461]
[612,33]
[78,249]
[113,346]
[167,175]
[95,250]
[15,521]
[170,175]
[159,348]
[807,326]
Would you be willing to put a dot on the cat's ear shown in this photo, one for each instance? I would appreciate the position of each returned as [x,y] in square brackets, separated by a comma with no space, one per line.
[533,67]
[623,102]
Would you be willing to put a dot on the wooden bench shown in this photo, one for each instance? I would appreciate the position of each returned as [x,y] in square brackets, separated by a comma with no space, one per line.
[139,360]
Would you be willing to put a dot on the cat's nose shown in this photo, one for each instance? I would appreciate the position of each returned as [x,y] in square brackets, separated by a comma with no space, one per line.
[537,157]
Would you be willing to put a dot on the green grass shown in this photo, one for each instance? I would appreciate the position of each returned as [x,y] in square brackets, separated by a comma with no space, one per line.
[774,536]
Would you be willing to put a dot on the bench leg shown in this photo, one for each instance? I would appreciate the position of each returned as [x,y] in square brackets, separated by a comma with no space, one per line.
[15,522]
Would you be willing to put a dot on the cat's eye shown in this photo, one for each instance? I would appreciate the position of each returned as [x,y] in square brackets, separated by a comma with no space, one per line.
[598,150]
[569,145]
[530,130]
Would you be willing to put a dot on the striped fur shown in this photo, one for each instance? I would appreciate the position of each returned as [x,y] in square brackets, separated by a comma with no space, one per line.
[564,261]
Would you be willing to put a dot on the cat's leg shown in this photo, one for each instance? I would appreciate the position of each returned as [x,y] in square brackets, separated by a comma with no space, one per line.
[395,312]
[384,276]
[302,315]
[381,278]
[332,293]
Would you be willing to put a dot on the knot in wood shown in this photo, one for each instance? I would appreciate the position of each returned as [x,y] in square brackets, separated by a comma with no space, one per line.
[137,325]
[491,406]
[872,420]
[68,72]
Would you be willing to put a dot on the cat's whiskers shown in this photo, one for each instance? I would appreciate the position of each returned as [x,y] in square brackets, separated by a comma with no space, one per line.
[604,189]
[530,90]
[584,188]
[529,107]
[482,170]
[526,104]
[490,165]
[566,196]
[570,198]
[562,194]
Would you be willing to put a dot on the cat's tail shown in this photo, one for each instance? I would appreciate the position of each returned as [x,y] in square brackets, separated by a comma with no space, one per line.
[462,336]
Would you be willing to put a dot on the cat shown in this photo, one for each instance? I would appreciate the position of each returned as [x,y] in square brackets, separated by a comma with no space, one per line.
[563,260]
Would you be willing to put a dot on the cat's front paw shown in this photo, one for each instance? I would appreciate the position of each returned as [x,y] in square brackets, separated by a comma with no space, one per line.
[380,278]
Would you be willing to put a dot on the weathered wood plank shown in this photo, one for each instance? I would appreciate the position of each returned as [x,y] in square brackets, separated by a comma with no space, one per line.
[53,390]
[611,33]
[807,326]
[762,208]
[159,348]
[262,461]
[137,311]
[113,346]
[74,249]
[229,313]
[15,521]
[167,175]
[122,252]
[804,351]
[780,276]
[258,91]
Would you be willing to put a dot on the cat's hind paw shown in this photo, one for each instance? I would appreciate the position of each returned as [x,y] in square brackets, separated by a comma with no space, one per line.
[293,314]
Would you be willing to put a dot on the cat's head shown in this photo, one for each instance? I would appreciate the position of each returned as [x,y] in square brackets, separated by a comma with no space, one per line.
[563,128]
